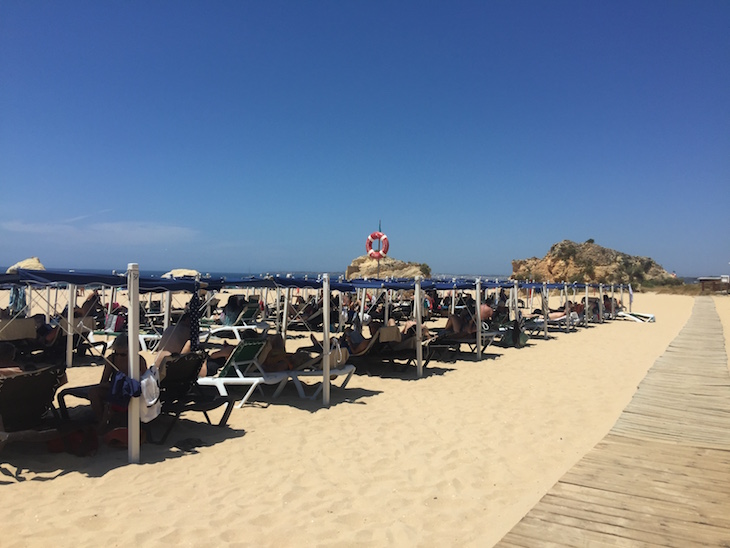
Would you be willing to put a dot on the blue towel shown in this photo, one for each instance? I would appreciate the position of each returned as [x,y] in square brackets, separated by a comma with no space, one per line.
[123,388]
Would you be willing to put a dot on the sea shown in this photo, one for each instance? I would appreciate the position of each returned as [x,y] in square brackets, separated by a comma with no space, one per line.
[215,275]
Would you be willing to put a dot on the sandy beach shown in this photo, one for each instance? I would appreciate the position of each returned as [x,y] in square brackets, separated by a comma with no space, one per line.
[453,459]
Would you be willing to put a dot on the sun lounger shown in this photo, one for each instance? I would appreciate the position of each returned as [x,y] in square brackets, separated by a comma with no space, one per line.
[244,322]
[637,317]
[180,392]
[25,402]
[244,368]
[313,369]
[446,343]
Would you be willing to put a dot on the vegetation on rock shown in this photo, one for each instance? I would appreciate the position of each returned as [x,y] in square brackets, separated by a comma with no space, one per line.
[591,263]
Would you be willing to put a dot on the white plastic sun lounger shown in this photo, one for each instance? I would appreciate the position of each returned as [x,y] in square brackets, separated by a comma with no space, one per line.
[312,369]
[243,368]
[637,317]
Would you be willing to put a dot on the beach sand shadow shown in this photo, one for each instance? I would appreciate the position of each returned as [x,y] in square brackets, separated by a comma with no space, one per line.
[32,461]
[290,397]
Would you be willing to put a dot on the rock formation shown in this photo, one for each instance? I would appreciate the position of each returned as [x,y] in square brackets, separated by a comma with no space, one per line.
[588,262]
[32,263]
[365,267]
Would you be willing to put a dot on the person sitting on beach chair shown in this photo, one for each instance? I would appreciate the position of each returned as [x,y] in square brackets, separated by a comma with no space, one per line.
[175,340]
[117,361]
[232,309]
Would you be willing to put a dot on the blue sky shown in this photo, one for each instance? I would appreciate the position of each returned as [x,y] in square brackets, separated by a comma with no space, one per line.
[265,136]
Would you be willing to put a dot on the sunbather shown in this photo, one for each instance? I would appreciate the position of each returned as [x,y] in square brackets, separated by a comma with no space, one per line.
[464,324]
[233,308]
[278,359]
[176,340]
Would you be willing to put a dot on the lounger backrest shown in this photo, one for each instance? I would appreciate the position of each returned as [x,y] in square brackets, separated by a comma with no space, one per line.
[181,374]
[370,345]
[25,398]
[389,333]
[17,329]
[247,352]
[248,313]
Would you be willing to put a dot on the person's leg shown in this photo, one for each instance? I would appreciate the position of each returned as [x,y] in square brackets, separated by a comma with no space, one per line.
[98,396]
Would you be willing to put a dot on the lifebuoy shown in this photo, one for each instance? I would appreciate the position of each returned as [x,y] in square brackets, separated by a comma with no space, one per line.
[373,254]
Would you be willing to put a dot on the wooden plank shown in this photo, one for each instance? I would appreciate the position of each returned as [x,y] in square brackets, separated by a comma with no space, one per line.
[662,475]
[634,524]
[656,484]
[617,504]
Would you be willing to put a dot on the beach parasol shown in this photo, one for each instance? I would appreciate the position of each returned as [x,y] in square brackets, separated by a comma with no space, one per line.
[32,263]
[181,273]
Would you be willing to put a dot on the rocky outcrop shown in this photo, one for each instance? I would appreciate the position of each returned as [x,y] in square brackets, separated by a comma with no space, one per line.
[32,263]
[588,262]
[365,267]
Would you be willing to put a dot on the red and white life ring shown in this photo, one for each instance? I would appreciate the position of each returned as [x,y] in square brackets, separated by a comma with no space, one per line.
[373,254]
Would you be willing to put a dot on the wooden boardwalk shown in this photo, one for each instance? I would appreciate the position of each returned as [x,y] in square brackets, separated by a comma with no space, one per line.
[661,477]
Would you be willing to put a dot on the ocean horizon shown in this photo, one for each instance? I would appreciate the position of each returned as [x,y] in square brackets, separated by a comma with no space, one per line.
[231,275]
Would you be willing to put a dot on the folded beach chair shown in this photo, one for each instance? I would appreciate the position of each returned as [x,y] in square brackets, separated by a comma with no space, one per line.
[25,403]
[244,368]
[636,317]
[313,369]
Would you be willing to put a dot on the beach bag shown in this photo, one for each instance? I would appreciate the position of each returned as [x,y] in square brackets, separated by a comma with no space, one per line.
[114,323]
[149,403]
[338,355]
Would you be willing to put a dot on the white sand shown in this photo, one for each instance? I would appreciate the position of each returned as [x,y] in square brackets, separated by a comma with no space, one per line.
[455,459]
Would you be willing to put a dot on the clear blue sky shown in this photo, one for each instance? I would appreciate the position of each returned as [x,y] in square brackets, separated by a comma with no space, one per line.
[262,136]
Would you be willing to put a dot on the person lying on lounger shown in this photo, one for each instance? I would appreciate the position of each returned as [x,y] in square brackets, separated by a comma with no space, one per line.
[464,325]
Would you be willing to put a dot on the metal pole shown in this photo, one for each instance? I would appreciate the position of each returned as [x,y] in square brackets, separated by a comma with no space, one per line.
[622,294]
[545,308]
[600,303]
[326,342]
[613,300]
[479,319]
[285,316]
[133,351]
[419,337]
[362,304]
[386,312]
[278,310]
[48,304]
[168,309]
[567,309]
[70,324]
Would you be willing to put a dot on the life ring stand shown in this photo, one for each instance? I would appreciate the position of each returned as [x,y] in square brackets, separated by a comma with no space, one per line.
[374,254]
